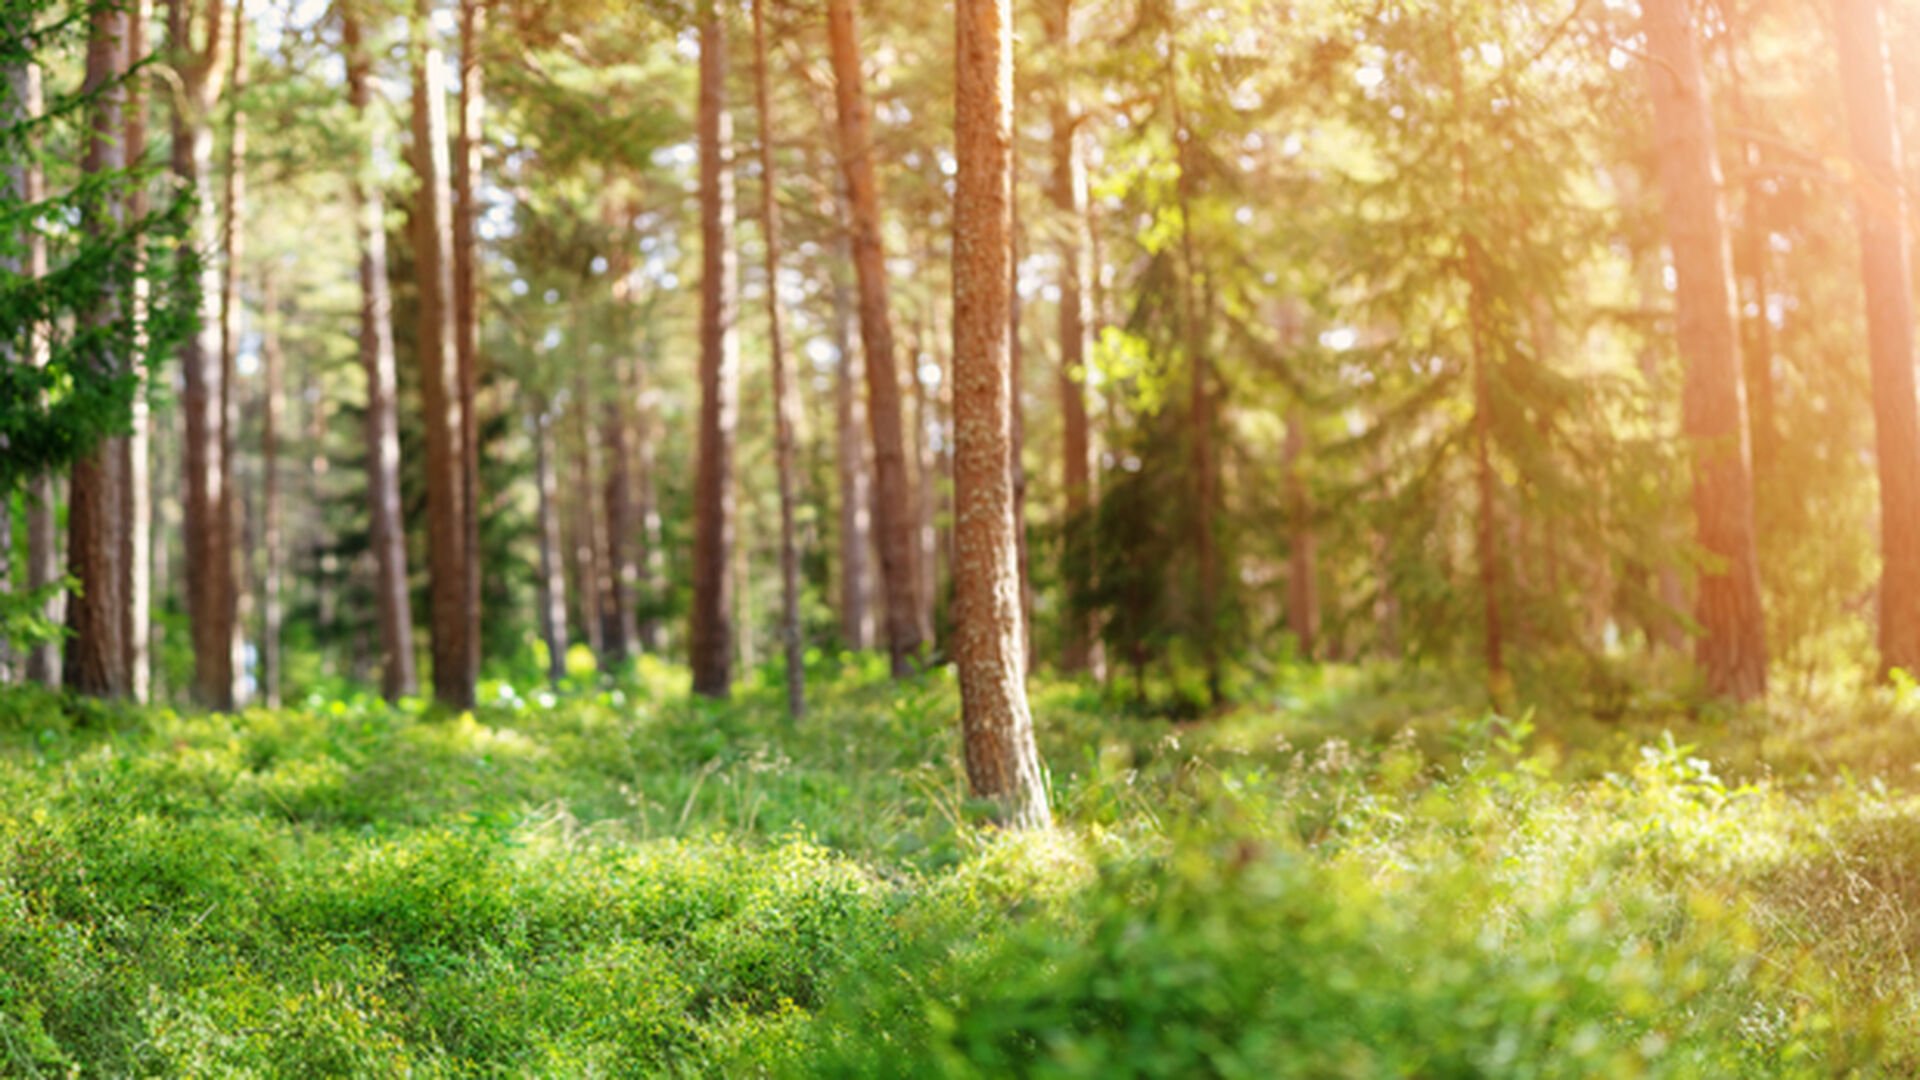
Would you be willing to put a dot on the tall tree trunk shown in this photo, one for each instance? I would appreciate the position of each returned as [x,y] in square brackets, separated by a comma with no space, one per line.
[272,532]
[386,527]
[710,645]
[928,509]
[746,623]
[1003,764]
[209,513]
[1732,649]
[1016,378]
[786,405]
[1200,403]
[653,556]
[553,579]
[466,304]
[233,235]
[1480,359]
[440,386]
[852,452]
[1079,651]
[97,653]
[1881,205]
[589,569]
[623,527]
[41,662]
[137,511]
[1751,253]
[893,501]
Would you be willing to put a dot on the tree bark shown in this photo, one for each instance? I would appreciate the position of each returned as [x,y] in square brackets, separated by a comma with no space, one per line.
[927,510]
[386,528]
[233,234]
[1003,764]
[1732,650]
[893,501]
[589,567]
[623,527]
[786,405]
[852,452]
[710,645]
[440,385]
[1080,651]
[1480,360]
[1016,378]
[466,304]
[653,551]
[1751,256]
[1880,203]
[272,531]
[40,664]
[553,578]
[137,510]
[97,654]
[208,506]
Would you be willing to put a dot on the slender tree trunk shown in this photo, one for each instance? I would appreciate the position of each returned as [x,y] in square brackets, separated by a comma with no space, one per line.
[386,528]
[943,462]
[1750,258]
[588,567]
[1079,652]
[746,623]
[1003,764]
[97,654]
[1732,649]
[41,662]
[893,501]
[137,511]
[164,524]
[440,385]
[852,452]
[1016,377]
[928,508]
[466,305]
[710,645]
[1481,360]
[323,565]
[653,561]
[273,376]
[233,234]
[786,405]
[209,514]
[623,528]
[553,579]
[1881,206]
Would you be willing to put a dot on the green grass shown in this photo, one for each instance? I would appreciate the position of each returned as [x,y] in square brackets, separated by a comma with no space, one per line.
[1355,875]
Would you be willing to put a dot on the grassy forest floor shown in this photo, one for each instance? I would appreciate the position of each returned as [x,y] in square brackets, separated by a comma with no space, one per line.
[1351,875]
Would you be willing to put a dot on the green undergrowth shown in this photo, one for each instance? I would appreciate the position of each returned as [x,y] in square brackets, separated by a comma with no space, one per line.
[1354,875]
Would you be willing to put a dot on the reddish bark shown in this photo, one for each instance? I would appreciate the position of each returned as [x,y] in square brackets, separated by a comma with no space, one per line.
[1003,764]
[893,520]
[1732,649]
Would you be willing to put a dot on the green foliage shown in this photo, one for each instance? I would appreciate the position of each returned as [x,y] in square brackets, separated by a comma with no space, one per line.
[75,321]
[613,881]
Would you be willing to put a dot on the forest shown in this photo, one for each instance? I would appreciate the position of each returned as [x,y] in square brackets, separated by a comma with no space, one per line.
[1072,538]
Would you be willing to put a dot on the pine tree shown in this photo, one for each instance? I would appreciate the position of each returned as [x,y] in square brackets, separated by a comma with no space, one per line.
[710,644]
[1732,648]
[989,651]
[893,516]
